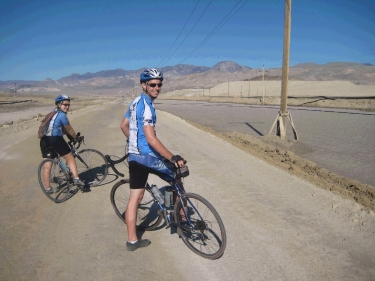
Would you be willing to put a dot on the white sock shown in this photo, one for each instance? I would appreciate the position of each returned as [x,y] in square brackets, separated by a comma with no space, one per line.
[133,242]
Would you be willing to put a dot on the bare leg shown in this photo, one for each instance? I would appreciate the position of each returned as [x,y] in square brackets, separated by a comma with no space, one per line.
[46,171]
[72,164]
[135,199]
[183,218]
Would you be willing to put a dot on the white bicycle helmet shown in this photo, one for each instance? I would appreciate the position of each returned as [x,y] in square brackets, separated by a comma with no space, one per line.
[151,73]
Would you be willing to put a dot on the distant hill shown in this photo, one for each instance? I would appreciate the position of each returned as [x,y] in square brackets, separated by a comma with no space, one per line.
[188,76]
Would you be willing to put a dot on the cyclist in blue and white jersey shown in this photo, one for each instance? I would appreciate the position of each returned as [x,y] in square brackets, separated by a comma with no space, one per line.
[147,154]
[58,126]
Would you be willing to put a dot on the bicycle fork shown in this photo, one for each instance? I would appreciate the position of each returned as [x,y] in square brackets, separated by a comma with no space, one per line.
[80,159]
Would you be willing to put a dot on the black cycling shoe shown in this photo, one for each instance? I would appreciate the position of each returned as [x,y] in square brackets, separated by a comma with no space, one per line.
[140,243]
[53,190]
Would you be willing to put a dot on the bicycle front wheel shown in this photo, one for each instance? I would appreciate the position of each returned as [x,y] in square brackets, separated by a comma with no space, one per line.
[148,215]
[92,166]
[206,235]
[53,181]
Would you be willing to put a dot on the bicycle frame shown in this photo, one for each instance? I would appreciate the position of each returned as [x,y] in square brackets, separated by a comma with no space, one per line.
[76,154]
[177,188]
[66,169]
[167,216]
[62,165]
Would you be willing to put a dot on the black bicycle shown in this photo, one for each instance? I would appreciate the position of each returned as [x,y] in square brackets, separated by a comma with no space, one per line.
[56,179]
[197,222]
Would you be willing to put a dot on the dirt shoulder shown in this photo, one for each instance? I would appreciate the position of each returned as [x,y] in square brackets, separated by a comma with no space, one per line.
[272,150]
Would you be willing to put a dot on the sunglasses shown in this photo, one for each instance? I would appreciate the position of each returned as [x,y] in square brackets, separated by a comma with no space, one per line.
[65,104]
[153,85]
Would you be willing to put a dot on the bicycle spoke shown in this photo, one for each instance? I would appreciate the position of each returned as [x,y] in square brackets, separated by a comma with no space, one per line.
[92,166]
[53,181]
[206,233]
[148,217]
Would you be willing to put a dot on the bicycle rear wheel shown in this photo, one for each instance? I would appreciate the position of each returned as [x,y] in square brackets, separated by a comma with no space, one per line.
[206,236]
[92,166]
[148,215]
[53,181]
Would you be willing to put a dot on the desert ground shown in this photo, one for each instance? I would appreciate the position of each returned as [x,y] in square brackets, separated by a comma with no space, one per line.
[18,111]
[279,227]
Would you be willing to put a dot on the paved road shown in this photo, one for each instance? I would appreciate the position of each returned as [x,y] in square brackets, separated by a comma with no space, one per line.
[343,141]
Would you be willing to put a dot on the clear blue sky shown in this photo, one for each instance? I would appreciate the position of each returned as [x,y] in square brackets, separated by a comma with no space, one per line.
[42,39]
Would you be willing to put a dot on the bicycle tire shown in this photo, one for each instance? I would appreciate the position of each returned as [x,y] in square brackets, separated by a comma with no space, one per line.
[55,179]
[92,166]
[207,238]
[148,215]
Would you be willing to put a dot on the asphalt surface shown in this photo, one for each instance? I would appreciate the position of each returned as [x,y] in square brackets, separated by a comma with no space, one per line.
[341,140]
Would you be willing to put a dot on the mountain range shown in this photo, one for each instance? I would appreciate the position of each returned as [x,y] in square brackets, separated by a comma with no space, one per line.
[189,76]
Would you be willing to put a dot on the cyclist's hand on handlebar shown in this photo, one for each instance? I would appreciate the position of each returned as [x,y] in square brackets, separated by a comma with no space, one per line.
[178,161]
[79,139]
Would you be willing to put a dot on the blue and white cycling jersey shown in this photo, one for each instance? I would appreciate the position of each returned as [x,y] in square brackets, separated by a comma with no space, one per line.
[57,124]
[140,113]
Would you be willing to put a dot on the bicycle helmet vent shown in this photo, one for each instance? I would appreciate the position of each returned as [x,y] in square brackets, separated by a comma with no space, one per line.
[151,73]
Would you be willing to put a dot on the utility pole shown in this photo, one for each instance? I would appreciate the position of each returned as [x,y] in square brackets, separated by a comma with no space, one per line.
[15,88]
[263,84]
[283,113]
[285,71]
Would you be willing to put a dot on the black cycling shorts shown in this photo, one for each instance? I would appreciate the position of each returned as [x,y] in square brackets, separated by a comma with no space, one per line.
[48,146]
[138,175]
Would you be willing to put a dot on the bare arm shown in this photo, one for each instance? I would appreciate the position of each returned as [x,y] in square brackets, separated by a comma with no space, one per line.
[69,129]
[125,127]
[155,142]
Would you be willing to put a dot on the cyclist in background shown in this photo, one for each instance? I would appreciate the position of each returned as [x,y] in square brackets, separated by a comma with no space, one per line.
[147,154]
[54,140]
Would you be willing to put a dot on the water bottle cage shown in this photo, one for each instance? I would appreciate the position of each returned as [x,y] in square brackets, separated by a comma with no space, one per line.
[181,172]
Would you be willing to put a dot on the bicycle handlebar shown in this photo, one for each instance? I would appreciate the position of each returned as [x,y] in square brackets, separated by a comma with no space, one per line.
[178,172]
[73,142]
[112,163]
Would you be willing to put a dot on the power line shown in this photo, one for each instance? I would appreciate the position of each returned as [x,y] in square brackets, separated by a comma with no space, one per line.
[218,26]
[179,33]
[189,31]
